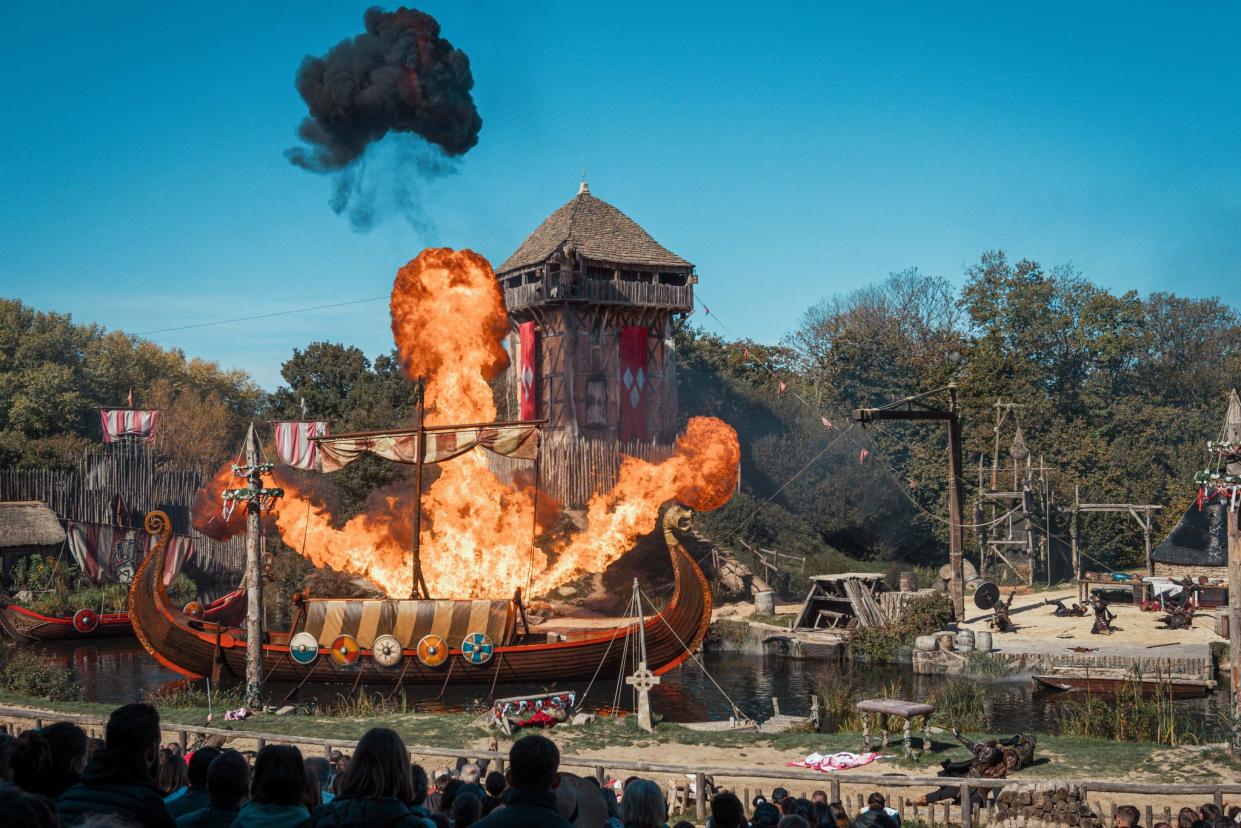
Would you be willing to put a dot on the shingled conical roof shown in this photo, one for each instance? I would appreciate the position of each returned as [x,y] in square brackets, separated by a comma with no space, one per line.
[598,231]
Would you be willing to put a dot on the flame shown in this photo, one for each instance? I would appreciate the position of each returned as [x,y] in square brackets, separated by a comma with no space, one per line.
[206,513]
[448,319]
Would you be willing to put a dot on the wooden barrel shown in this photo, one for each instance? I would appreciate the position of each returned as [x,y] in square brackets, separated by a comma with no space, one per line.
[926,643]
[982,641]
[765,602]
[908,582]
[965,641]
[946,639]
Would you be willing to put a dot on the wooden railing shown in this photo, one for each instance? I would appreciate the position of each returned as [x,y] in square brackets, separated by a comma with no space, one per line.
[705,776]
[603,292]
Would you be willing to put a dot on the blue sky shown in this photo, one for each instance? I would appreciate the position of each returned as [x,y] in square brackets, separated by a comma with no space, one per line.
[790,151]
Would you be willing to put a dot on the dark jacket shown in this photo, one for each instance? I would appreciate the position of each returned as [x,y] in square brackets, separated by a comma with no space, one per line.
[873,818]
[380,812]
[115,783]
[270,815]
[526,809]
[193,799]
[213,816]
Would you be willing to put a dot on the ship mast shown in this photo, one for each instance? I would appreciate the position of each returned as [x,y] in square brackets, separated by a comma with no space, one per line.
[418,588]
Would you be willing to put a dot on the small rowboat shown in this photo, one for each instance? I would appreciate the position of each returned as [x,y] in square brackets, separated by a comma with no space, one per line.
[26,626]
[1105,683]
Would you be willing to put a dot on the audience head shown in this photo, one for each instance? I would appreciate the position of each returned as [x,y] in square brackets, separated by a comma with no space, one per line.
[470,774]
[1186,817]
[788,805]
[7,745]
[449,793]
[684,824]
[134,729]
[279,776]
[228,779]
[319,768]
[379,767]
[1162,825]
[418,782]
[726,811]
[173,774]
[441,820]
[643,805]
[494,783]
[839,815]
[1126,816]
[534,762]
[1208,811]
[765,815]
[778,794]
[793,821]
[876,802]
[200,761]
[819,796]
[467,809]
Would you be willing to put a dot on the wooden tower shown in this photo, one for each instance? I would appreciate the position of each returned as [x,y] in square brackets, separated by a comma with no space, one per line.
[594,301]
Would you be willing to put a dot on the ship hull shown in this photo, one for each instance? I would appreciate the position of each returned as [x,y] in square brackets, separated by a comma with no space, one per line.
[198,649]
[27,626]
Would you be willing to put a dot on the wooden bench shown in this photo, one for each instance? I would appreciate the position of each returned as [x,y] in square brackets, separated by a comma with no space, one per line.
[907,710]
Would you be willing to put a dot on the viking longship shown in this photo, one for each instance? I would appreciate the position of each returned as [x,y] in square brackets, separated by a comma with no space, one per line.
[413,641]
[25,625]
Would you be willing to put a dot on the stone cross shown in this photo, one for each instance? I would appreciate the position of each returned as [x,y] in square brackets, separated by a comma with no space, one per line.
[642,681]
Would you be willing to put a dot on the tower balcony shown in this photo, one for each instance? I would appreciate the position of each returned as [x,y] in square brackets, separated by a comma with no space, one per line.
[564,287]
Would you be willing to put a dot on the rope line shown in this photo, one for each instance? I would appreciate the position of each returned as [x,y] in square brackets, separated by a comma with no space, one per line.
[260,316]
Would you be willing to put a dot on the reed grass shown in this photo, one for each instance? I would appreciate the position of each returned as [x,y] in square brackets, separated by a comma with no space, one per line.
[1132,715]
[961,704]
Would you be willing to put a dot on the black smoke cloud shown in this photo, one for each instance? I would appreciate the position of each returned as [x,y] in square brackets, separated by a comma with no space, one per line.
[401,79]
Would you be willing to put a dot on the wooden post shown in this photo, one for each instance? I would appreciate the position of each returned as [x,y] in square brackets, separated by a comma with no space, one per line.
[955,496]
[1146,536]
[254,577]
[967,807]
[834,790]
[700,797]
[1073,534]
[1232,433]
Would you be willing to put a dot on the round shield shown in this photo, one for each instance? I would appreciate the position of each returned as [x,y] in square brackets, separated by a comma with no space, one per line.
[432,650]
[193,609]
[303,648]
[477,648]
[345,651]
[986,596]
[386,650]
[85,620]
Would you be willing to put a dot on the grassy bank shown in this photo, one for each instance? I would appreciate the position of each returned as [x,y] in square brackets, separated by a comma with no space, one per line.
[1058,757]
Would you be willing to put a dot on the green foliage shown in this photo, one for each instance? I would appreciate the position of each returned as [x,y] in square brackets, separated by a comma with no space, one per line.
[876,645]
[33,572]
[186,694]
[99,597]
[960,703]
[182,590]
[1133,715]
[837,689]
[986,665]
[54,373]
[26,673]
[923,615]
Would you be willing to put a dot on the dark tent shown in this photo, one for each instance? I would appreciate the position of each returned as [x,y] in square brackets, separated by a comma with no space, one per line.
[1200,537]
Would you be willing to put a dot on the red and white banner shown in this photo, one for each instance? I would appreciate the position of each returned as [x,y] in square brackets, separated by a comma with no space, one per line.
[633,383]
[528,371]
[112,554]
[128,422]
[295,446]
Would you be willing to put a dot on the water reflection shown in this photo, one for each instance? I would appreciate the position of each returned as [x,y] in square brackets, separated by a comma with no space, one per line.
[118,670]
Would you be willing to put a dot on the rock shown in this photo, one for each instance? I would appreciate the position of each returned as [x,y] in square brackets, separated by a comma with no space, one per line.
[582,718]
[286,710]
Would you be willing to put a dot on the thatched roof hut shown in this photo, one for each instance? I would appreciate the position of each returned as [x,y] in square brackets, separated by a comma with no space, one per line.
[28,524]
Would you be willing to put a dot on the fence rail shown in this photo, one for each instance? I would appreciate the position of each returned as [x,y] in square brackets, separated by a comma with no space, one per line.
[702,776]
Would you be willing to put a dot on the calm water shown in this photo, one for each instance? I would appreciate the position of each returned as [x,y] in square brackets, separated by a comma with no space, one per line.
[118,670]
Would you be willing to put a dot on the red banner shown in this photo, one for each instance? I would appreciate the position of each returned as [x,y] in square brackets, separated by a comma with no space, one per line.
[528,371]
[128,422]
[633,379]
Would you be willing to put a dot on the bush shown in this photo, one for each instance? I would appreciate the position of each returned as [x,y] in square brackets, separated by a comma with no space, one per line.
[30,674]
[182,590]
[923,615]
[876,644]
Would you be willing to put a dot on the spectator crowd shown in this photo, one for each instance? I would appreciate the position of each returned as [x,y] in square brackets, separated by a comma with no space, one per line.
[57,776]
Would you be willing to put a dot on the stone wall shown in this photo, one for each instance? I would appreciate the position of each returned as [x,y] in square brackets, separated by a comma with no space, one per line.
[1178,571]
[1046,805]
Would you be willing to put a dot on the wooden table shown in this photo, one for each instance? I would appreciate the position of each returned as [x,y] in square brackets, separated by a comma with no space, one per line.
[906,710]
